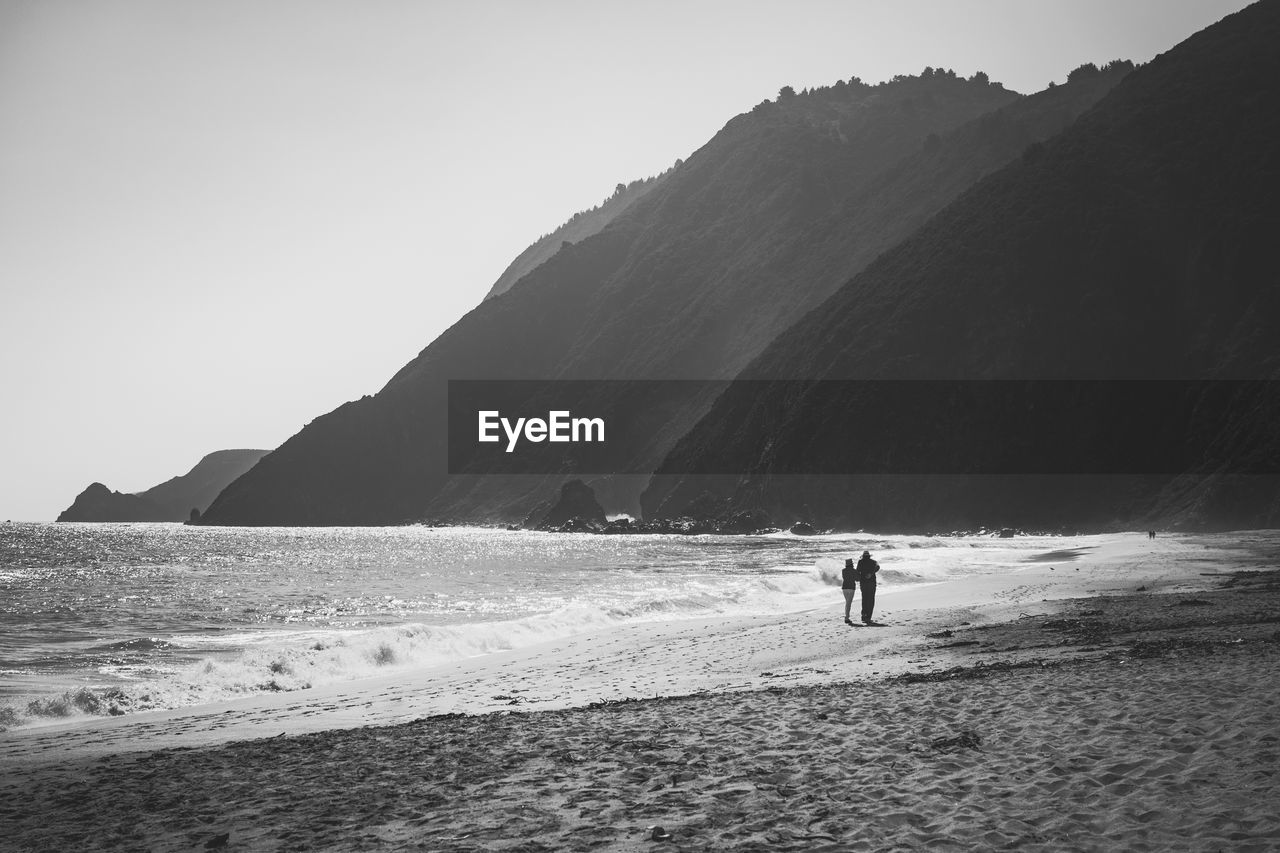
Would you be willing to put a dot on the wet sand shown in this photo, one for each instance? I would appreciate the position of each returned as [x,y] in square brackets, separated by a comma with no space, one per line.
[1127,699]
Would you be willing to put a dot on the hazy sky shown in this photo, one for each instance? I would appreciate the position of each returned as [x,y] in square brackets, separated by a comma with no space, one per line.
[220,219]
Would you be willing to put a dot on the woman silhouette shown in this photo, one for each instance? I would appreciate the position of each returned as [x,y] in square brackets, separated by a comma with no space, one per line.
[849,585]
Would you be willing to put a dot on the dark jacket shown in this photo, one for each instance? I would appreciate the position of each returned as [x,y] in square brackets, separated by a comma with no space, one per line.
[849,575]
[867,569]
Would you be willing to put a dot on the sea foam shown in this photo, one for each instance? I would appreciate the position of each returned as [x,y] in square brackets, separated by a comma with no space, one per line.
[274,661]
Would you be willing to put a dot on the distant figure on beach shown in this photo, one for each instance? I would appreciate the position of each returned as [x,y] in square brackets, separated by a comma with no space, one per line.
[866,571]
[1151,534]
[848,586]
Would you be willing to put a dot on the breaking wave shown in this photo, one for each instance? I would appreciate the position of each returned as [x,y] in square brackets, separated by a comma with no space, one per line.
[278,661]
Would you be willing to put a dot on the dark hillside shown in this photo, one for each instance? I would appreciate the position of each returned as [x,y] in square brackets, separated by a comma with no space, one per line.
[578,228]
[742,299]
[1135,245]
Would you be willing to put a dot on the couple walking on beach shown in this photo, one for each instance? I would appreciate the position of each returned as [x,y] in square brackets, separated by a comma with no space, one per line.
[865,573]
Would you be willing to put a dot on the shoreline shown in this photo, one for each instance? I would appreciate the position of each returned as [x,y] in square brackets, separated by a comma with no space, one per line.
[636,660]
[1122,718]
[1155,737]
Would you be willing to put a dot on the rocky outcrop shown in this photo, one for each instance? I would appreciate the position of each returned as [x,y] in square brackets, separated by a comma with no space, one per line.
[577,509]
[98,503]
[180,498]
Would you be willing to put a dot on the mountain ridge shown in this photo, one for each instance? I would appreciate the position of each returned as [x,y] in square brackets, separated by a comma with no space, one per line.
[1130,246]
[691,281]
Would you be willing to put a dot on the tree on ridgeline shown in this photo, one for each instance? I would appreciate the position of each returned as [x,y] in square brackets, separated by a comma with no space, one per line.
[1086,70]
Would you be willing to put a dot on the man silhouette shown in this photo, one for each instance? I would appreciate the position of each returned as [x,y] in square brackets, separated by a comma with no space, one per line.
[866,571]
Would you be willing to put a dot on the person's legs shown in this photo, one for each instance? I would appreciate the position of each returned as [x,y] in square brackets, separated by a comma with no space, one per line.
[848,602]
[868,600]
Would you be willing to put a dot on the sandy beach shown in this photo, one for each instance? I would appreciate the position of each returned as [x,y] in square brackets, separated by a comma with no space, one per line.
[1118,693]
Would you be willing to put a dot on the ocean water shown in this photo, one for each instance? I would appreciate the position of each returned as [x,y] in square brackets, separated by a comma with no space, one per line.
[117,618]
